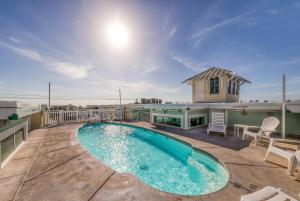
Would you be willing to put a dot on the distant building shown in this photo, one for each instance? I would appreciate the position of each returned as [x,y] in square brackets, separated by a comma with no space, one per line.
[150,101]
[216,85]
[44,107]
[63,107]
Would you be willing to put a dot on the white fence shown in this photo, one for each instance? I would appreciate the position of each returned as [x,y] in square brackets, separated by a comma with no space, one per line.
[62,116]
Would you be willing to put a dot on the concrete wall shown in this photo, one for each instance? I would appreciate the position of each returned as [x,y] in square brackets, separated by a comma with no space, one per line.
[256,117]
[5,124]
[198,91]
[36,121]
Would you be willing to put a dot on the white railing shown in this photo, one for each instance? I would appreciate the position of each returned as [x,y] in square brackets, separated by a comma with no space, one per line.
[54,117]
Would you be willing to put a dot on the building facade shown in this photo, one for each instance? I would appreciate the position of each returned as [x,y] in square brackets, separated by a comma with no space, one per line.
[216,85]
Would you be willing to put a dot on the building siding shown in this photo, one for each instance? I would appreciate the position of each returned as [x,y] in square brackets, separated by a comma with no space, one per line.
[255,118]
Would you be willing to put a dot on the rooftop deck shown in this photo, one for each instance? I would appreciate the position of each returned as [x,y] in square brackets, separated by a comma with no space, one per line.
[52,165]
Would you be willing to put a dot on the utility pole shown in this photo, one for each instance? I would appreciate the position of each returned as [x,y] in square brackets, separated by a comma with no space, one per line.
[120,98]
[49,98]
[283,107]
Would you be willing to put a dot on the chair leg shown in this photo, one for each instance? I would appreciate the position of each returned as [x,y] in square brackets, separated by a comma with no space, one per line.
[267,154]
[207,132]
[293,163]
[256,140]
[243,136]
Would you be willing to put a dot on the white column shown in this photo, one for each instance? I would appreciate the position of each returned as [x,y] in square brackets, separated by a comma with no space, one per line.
[77,115]
[226,118]
[151,116]
[186,119]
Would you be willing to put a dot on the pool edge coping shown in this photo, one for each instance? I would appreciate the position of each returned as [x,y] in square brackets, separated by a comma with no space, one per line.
[167,135]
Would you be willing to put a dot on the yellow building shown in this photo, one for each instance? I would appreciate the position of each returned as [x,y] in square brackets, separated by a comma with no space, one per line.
[216,85]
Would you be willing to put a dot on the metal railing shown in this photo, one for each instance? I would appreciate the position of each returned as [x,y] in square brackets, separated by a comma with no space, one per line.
[54,117]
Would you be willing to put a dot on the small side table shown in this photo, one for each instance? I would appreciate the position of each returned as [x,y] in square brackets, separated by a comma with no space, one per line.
[237,128]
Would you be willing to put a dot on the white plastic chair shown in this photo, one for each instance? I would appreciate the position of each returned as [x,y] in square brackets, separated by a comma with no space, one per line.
[268,193]
[267,127]
[217,123]
[293,157]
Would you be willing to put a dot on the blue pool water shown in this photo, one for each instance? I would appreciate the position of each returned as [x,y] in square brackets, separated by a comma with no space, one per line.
[157,160]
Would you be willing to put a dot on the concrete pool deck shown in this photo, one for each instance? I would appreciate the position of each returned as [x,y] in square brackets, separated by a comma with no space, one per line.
[52,165]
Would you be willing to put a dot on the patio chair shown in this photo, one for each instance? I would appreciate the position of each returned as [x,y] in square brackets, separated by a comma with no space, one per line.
[267,127]
[268,193]
[293,157]
[217,123]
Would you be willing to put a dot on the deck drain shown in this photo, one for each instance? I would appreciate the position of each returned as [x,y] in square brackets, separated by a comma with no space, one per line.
[144,167]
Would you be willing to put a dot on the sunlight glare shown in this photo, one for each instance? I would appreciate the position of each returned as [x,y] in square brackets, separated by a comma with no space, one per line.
[118,35]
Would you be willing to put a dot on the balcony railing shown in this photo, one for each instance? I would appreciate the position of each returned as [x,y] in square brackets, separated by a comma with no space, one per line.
[71,116]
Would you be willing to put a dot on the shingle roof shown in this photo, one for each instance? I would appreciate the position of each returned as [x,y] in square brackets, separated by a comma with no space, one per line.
[215,72]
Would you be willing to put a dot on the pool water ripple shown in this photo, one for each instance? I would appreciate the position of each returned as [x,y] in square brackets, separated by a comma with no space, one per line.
[159,161]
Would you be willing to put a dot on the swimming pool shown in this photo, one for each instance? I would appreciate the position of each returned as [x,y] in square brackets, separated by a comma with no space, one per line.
[158,160]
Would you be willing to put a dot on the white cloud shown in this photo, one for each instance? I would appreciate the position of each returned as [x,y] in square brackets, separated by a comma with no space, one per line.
[189,63]
[289,81]
[294,80]
[150,69]
[172,32]
[289,62]
[15,40]
[297,4]
[137,88]
[223,23]
[70,70]
[273,11]
[31,54]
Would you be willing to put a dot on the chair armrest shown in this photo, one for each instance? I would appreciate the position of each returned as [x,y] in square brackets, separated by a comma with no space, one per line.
[288,140]
[265,130]
[252,126]
[209,125]
[272,142]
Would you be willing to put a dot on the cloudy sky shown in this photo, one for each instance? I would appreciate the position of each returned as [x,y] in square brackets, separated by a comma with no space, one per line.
[68,44]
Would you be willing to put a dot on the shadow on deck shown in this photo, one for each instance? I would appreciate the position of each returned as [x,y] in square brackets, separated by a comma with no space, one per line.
[231,141]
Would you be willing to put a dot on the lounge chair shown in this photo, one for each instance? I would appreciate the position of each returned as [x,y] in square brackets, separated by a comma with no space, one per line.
[268,193]
[293,157]
[267,127]
[217,123]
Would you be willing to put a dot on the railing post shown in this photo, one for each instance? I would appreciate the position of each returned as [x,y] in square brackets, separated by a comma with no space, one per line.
[60,117]
[77,116]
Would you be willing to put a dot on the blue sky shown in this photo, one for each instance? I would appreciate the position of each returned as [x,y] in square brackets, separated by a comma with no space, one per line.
[169,41]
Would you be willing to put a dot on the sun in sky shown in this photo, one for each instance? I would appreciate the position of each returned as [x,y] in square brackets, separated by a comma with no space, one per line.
[117,35]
